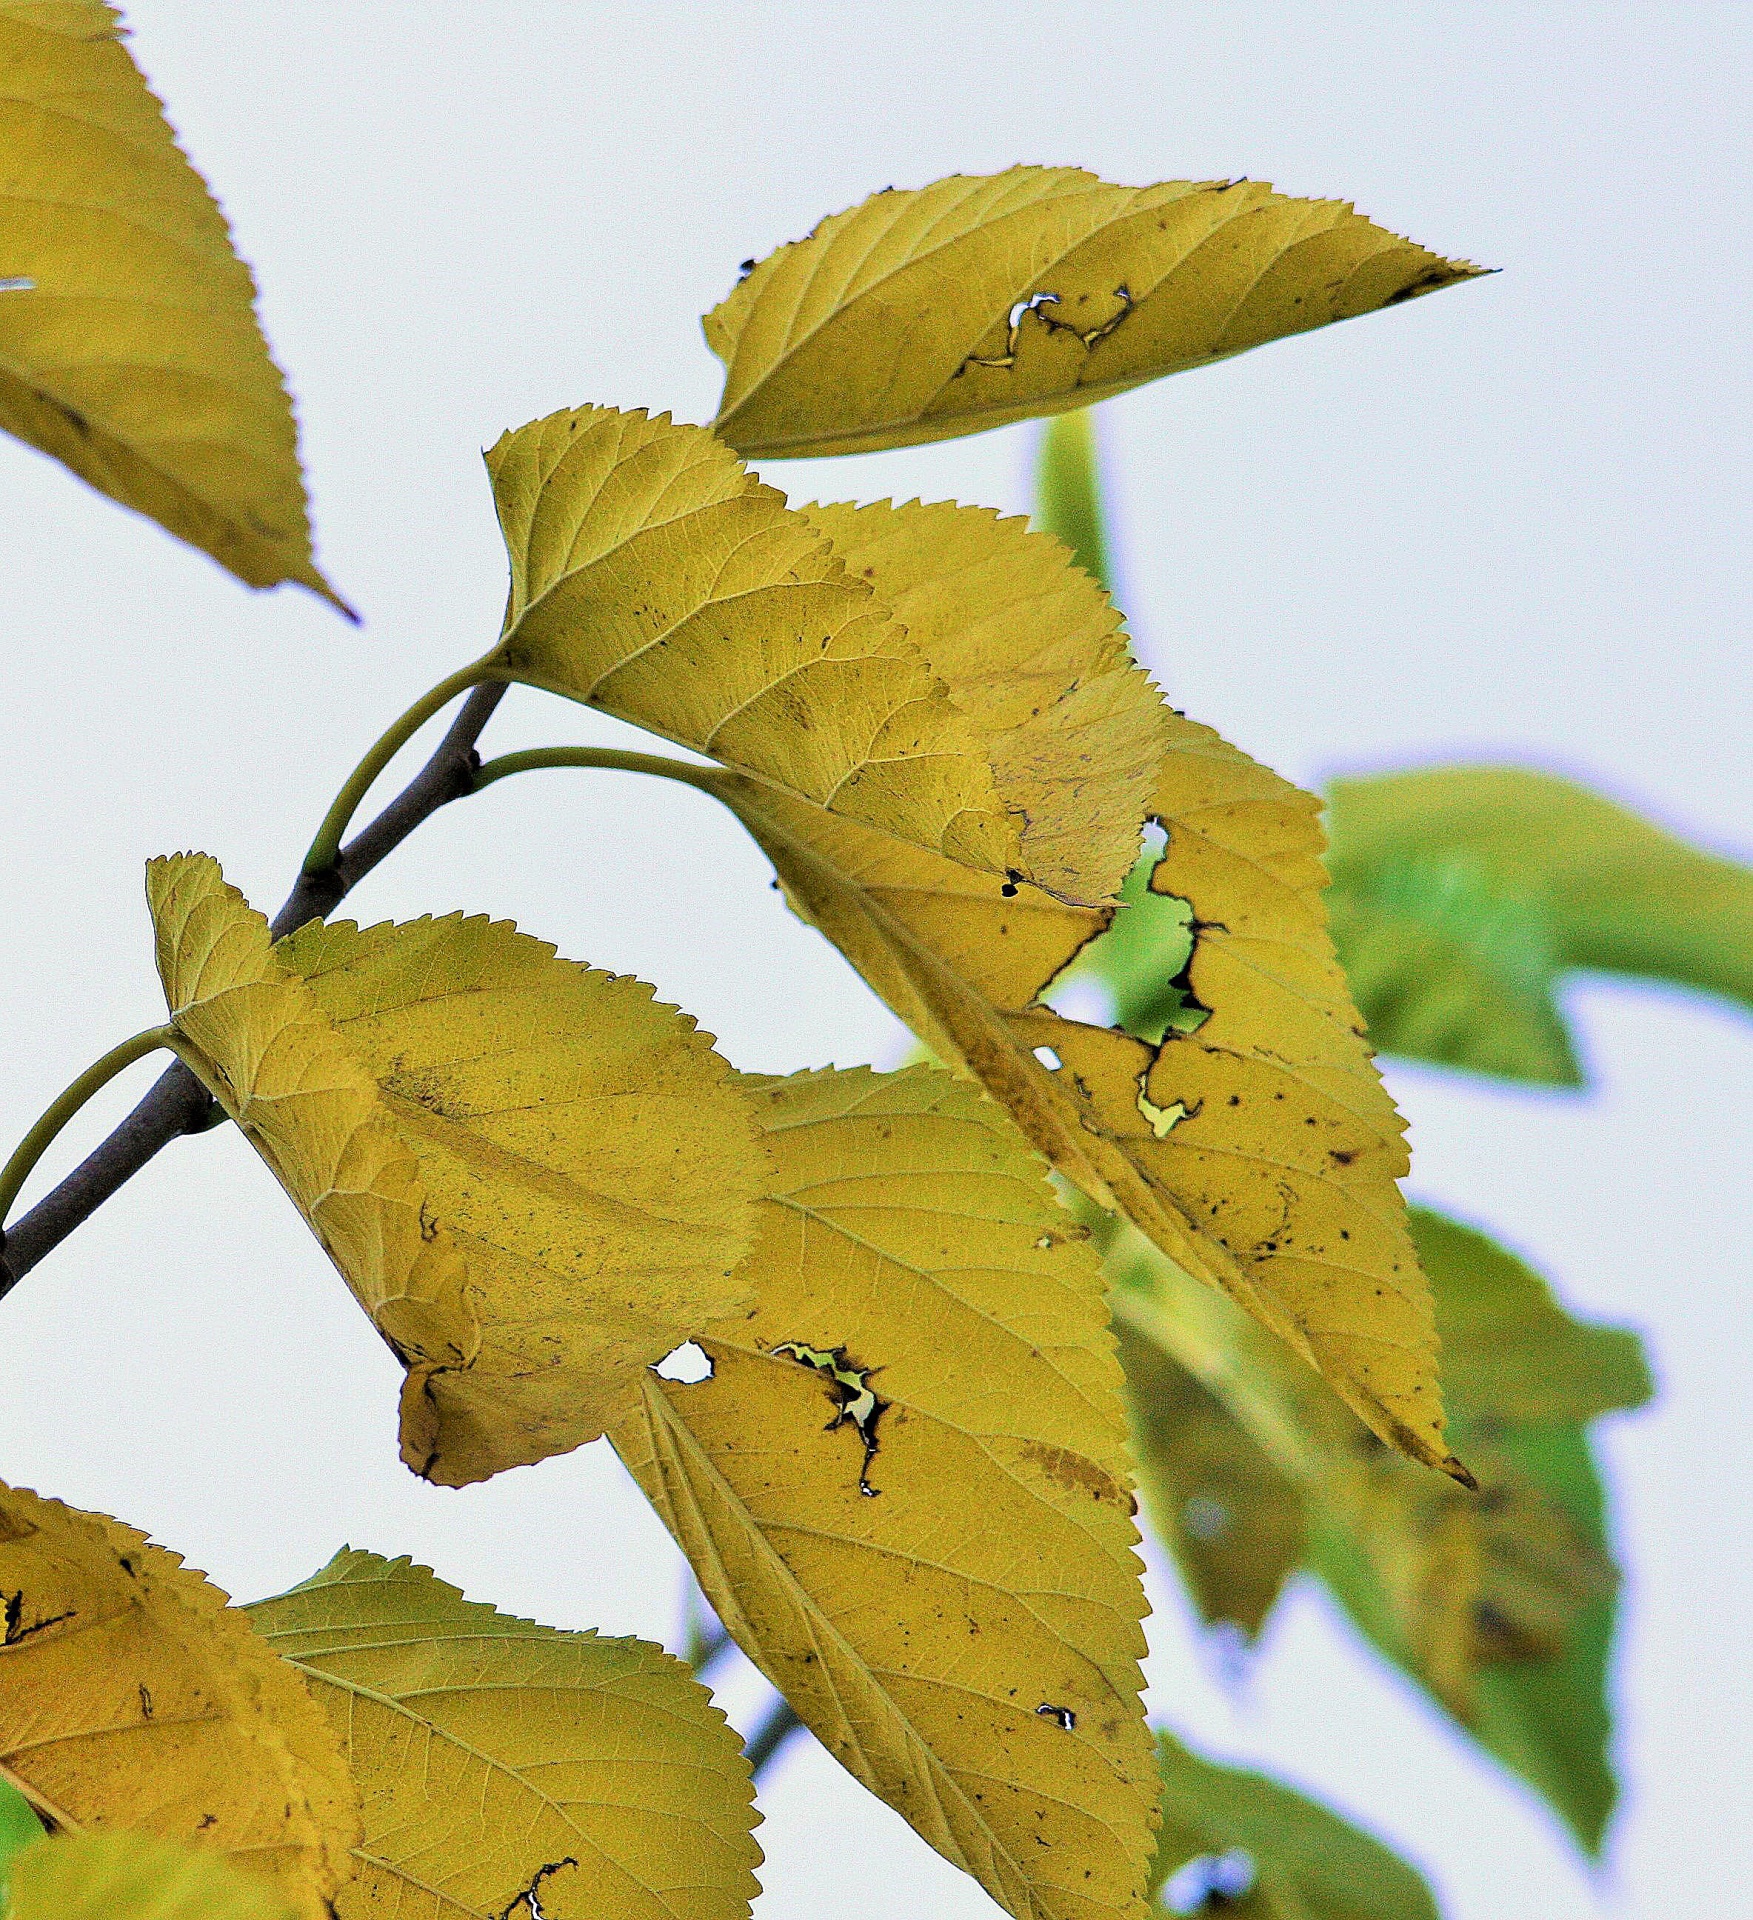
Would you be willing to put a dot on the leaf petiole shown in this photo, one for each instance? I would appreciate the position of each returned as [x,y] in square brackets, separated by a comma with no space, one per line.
[537,758]
[325,849]
[99,1074]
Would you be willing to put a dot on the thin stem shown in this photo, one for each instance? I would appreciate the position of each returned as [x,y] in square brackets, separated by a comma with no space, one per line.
[773,1732]
[706,1649]
[538,758]
[178,1103]
[325,849]
[37,1142]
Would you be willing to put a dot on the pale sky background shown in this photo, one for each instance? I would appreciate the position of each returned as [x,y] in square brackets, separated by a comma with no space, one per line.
[1505,522]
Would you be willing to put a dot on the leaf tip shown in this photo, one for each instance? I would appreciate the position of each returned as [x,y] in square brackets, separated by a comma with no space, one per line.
[1459,1470]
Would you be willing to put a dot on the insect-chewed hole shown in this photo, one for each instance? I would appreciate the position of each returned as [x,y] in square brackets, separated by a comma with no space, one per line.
[1049,1059]
[688,1365]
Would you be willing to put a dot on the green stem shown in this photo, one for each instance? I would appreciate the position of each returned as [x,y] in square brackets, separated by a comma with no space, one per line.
[1068,492]
[325,849]
[99,1074]
[539,757]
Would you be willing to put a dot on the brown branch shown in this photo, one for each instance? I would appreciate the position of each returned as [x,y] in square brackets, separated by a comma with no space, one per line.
[178,1103]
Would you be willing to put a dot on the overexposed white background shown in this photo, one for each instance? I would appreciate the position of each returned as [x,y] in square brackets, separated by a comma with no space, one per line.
[1508,521]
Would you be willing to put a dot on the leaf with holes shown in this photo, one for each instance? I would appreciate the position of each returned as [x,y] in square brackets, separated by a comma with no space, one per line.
[133,1876]
[983,299]
[652,577]
[132,1696]
[1252,1140]
[129,346]
[535,1179]
[500,1762]
[904,1486]
[1464,895]
[1238,1841]
[1501,1603]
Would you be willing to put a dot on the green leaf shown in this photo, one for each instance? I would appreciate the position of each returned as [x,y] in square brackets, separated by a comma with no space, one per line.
[501,1764]
[1463,895]
[18,1827]
[132,1696]
[135,1876]
[978,300]
[904,1487]
[1500,1603]
[1068,492]
[1510,1352]
[129,346]
[1232,1520]
[535,1179]
[1267,1853]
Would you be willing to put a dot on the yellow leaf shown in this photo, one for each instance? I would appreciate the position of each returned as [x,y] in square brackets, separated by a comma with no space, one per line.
[132,1696]
[653,578]
[904,1487]
[504,1764]
[984,299]
[1498,1602]
[129,346]
[1261,1150]
[1032,652]
[131,1876]
[535,1180]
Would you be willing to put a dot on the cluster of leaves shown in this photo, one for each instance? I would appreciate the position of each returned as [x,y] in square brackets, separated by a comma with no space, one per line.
[1460,897]
[538,1182]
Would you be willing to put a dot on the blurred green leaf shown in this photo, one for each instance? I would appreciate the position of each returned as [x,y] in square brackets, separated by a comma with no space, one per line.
[18,1827]
[1238,1842]
[1500,1604]
[1232,1520]
[1462,895]
[136,1876]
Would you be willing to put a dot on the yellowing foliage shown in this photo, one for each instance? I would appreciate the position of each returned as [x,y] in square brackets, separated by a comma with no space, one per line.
[501,1762]
[1260,1151]
[653,578]
[1500,1601]
[982,299]
[927,1329]
[129,347]
[1033,653]
[131,1696]
[535,1180]
[132,1876]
